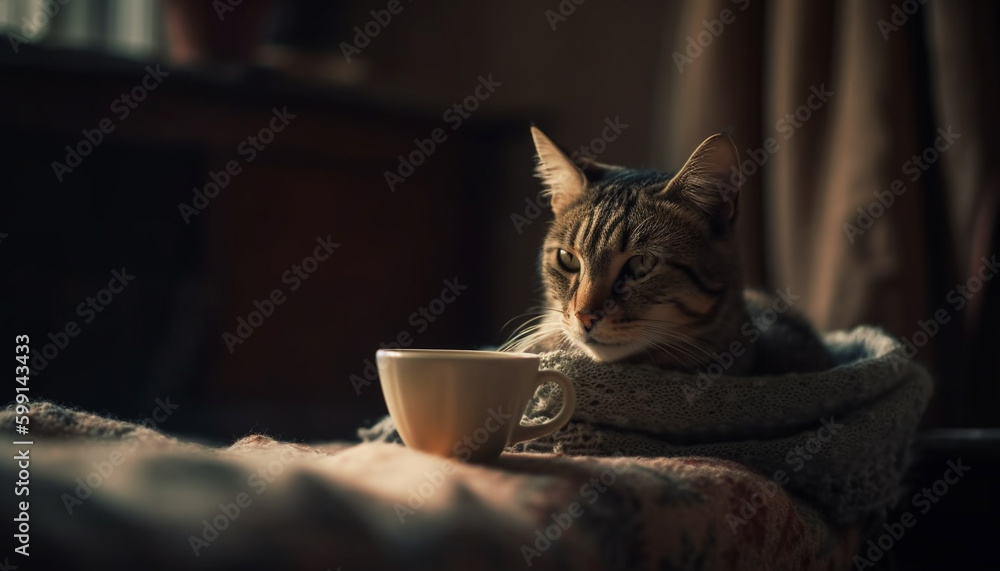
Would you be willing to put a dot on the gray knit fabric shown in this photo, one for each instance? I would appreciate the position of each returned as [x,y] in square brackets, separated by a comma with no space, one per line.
[871,404]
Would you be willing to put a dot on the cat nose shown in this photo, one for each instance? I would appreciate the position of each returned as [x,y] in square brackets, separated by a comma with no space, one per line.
[587,319]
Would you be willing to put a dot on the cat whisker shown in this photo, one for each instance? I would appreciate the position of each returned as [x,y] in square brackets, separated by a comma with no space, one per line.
[530,335]
[537,312]
[524,338]
[690,348]
[683,356]
[666,347]
[533,330]
[661,347]
[648,355]
[519,327]
[664,321]
[687,340]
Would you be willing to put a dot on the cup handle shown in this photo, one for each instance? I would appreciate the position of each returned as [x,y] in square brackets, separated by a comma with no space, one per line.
[522,432]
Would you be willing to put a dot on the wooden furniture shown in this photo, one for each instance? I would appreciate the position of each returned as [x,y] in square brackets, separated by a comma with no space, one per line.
[321,176]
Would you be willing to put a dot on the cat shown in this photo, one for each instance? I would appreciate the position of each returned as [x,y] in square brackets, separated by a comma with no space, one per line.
[641,266]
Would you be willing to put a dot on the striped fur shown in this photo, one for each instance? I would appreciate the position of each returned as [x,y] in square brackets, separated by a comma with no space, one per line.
[688,307]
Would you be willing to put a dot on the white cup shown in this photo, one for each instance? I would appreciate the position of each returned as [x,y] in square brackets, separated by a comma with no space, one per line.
[466,404]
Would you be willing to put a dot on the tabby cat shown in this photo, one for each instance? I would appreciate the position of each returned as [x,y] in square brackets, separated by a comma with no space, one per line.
[641,266]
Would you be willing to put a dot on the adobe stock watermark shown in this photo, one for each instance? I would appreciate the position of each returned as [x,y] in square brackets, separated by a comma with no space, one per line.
[563,11]
[914,167]
[590,151]
[293,278]
[796,458]
[248,149]
[563,520]
[225,7]
[363,35]
[105,467]
[752,329]
[453,116]
[32,25]
[421,320]
[613,128]
[86,310]
[696,45]
[213,526]
[922,501]
[900,16]
[463,449]
[957,297]
[121,107]
[786,127]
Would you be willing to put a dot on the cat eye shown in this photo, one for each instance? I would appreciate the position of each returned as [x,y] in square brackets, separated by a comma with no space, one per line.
[639,266]
[568,261]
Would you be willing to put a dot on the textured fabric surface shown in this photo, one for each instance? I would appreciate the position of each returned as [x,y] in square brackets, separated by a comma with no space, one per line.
[150,500]
[840,437]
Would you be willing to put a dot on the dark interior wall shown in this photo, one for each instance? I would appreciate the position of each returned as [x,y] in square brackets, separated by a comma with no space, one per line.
[176,330]
[598,62]
[595,66]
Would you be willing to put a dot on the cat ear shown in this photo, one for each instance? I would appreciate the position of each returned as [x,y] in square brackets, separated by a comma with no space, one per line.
[710,179]
[564,181]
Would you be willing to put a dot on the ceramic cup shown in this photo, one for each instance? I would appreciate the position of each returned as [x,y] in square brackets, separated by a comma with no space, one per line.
[466,404]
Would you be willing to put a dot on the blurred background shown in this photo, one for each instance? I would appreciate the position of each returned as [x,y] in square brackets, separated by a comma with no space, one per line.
[209,149]
[119,114]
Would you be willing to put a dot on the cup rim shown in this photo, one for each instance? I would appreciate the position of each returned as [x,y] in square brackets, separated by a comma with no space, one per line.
[464,354]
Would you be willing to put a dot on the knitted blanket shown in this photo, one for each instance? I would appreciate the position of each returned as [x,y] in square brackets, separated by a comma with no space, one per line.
[108,494]
[838,438]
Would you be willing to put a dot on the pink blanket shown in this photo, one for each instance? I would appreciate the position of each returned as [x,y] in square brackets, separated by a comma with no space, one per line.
[108,494]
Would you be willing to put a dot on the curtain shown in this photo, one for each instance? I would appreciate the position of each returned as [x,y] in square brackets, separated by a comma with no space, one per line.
[887,107]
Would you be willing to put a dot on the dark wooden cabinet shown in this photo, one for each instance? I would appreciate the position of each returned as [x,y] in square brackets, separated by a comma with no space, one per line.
[322,176]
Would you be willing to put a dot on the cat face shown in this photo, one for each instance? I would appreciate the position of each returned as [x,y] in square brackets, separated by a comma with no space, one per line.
[638,261]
